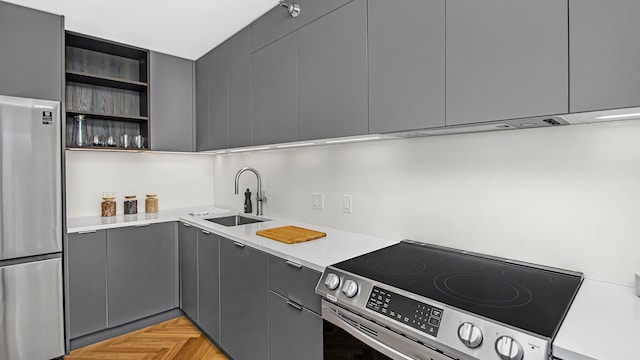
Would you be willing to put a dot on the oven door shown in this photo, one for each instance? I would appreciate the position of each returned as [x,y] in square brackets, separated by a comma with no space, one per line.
[350,336]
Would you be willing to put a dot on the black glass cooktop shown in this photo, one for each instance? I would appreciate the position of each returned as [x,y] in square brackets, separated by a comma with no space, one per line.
[527,297]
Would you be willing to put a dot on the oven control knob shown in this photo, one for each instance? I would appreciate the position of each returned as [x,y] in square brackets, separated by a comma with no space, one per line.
[332,281]
[470,335]
[508,348]
[350,288]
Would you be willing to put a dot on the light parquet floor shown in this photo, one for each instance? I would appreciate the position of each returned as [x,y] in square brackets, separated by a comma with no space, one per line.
[175,339]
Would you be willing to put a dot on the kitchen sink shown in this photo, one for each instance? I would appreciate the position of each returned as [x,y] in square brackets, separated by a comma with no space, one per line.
[234,220]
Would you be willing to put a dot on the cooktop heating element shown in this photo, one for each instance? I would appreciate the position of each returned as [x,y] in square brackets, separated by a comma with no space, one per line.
[414,300]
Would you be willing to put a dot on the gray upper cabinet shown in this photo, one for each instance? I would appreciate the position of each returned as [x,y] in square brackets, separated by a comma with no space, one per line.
[32,53]
[275,92]
[87,282]
[172,106]
[244,301]
[505,59]
[406,65]
[604,54]
[204,67]
[140,271]
[277,23]
[223,95]
[332,74]
[209,284]
[239,90]
[189,270]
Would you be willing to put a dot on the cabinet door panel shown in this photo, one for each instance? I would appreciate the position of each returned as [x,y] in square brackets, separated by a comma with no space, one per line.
[244,301]
[32,51]
[506,59]
[277,23]
[87,283]
[140,272]
[275,92]
[218,101]
[605,54]
[189,270]
[296,333]
[209,284]
[240,113]
[406,77]
[172,118]
[332,74]
[204,67]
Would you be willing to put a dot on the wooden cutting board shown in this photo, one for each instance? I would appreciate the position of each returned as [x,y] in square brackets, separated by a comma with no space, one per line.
[291,234]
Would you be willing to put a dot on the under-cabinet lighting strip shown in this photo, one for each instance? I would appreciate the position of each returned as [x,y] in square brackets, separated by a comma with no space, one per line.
[352,140]
[294,145]
[621,116]
[251,149]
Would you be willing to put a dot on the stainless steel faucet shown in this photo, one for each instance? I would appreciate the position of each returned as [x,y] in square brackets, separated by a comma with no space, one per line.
[260,197]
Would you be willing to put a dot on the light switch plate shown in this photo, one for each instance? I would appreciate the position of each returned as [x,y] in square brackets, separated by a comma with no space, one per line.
[347,204]
[317,201]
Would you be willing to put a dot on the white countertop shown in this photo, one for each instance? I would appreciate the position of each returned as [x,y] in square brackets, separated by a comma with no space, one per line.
[603,323]
[317,254]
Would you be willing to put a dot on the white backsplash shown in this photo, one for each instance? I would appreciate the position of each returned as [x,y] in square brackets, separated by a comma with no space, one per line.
[567,197]
[180,180]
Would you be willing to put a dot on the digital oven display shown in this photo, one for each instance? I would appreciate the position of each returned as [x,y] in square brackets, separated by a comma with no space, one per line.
[411,312]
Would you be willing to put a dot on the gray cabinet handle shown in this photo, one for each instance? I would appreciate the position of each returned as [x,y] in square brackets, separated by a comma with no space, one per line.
[295,265]
[206,232]
[141,225]
[294,305]
[238,244]
[87,232]
[186,225]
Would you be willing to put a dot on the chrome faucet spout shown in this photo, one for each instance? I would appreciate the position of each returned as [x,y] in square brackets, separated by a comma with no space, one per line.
[260,197]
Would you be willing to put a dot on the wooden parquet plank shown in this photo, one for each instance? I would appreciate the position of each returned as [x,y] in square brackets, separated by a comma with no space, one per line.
[176,339]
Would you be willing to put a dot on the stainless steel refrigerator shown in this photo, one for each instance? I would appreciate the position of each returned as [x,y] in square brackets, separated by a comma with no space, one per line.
[31,307]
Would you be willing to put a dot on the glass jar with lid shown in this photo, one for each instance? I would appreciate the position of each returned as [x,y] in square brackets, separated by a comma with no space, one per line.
[108,206]
[151,203]
[130,205]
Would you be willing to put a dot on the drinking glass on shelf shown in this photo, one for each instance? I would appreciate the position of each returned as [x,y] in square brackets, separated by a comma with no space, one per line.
[112,141]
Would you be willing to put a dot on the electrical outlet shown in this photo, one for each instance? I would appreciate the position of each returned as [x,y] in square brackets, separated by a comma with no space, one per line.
[347,204]
[317,201]
[109,193]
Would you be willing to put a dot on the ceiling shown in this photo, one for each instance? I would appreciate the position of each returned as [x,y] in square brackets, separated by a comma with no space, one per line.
[184,28]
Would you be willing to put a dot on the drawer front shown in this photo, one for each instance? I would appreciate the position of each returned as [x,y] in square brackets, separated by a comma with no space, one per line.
[294,282]
[277,23]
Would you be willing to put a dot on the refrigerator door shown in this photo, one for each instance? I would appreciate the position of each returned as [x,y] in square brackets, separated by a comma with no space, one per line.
[31,325]
[30,171]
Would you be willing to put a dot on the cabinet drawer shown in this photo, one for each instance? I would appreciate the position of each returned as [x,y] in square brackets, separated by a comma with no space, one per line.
[277,23]
[296,333]
[294,282]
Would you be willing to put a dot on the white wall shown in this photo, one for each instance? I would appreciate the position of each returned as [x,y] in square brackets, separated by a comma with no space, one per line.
[567,197]
[180,180]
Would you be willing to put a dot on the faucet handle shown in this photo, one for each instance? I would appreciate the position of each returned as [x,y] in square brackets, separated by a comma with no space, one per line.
[261,197]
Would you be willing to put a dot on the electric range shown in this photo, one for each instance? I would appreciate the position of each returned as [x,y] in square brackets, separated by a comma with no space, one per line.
[414,300]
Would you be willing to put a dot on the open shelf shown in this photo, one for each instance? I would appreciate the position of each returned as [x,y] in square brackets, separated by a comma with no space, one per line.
[105,116]
[105,81]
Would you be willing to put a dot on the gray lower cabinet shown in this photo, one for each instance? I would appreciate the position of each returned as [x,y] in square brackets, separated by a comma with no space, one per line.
[87,282]
[295,282]
[244,301]
[189,270]
[141,277]
[604,54]
[275,92]
[209,283]
[332,74]
[407,76]
[32,53]
[505,59]
[172,104]
[296,332]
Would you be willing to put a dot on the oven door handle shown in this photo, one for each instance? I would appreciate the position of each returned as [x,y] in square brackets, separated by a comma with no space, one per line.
[331,316]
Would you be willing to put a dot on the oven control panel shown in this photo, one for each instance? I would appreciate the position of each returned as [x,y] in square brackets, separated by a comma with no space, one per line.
[411,312]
